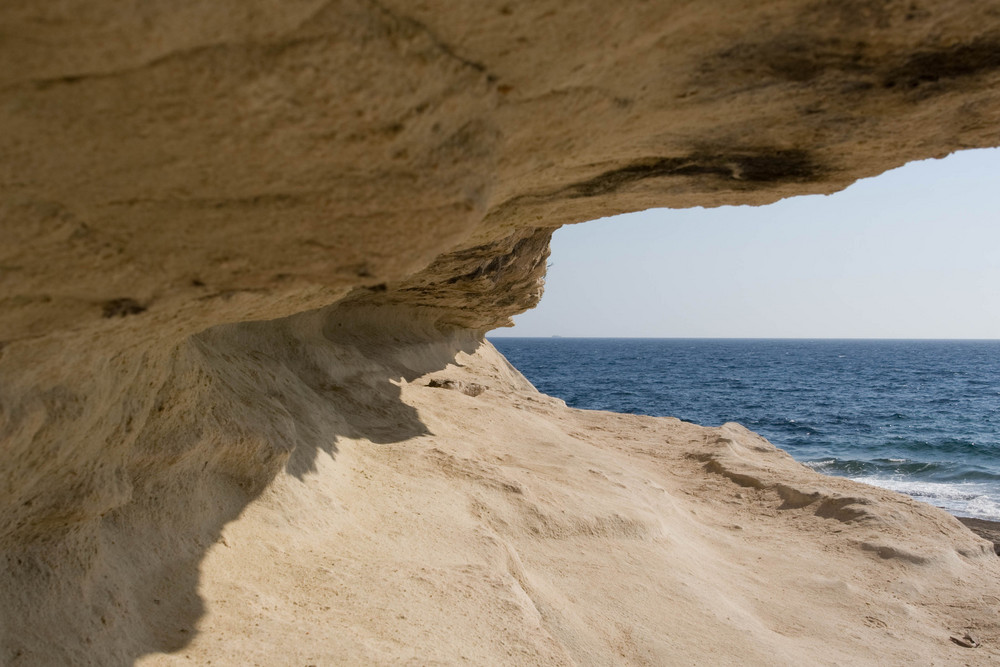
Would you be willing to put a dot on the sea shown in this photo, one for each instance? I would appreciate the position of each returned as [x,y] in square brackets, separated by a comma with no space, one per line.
[918,417]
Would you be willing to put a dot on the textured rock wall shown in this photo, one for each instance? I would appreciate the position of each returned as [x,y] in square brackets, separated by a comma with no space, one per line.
[276,155]
[170,170]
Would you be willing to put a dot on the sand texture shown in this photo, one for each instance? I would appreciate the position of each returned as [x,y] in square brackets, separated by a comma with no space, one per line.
[511,529]
[249,252]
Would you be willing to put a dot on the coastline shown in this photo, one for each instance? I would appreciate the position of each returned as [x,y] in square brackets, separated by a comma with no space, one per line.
[988,530]
[856,431]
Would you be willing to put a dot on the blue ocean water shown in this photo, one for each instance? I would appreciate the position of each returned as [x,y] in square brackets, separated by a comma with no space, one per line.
[919,417]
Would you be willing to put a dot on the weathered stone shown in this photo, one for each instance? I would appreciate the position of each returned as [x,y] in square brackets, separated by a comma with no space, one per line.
[178,176]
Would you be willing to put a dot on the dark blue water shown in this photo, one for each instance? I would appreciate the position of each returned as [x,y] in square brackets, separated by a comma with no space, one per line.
[919,417]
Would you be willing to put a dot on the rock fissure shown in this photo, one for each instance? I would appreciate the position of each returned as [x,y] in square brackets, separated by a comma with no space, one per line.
[755,166]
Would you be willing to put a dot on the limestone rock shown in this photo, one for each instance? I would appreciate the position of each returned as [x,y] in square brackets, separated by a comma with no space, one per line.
[233,232]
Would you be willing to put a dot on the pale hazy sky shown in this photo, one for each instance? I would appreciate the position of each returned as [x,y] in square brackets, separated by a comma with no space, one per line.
[913,253]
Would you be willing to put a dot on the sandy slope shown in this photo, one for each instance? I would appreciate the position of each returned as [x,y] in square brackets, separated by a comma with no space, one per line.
[515,530]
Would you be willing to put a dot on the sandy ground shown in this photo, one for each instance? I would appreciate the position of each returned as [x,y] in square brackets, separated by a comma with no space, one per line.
[515,530]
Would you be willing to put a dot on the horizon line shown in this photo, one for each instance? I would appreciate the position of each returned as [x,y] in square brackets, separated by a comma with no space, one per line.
[796,338]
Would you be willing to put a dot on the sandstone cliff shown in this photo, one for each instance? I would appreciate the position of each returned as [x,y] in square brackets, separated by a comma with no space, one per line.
[240,238]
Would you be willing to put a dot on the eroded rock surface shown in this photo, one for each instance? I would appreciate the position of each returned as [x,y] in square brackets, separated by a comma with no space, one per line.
[235,233]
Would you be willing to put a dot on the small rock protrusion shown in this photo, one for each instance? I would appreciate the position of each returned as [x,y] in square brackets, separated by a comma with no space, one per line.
[967,641]
[121,308]
[467,388]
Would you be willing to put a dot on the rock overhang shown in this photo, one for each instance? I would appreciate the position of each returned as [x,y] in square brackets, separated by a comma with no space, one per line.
[178,180]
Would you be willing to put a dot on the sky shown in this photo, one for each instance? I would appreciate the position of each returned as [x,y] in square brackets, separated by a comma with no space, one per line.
[913,253]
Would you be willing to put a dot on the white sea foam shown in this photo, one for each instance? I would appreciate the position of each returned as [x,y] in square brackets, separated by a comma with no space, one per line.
[961,498]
